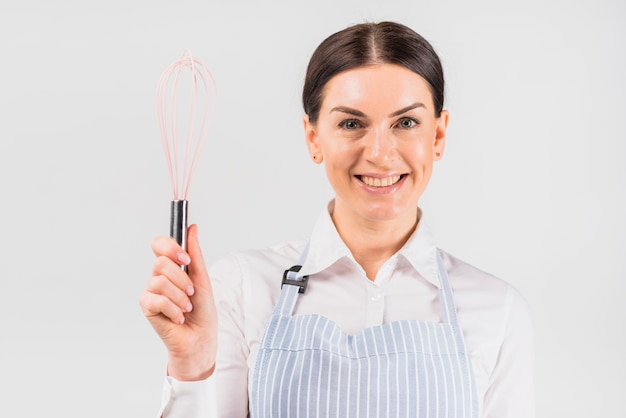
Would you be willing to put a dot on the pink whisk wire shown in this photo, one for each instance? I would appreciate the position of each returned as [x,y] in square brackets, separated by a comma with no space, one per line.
[201,82]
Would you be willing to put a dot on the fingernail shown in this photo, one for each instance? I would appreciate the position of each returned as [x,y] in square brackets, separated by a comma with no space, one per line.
[190,290]
[189,307]
[183,258]
[182,320]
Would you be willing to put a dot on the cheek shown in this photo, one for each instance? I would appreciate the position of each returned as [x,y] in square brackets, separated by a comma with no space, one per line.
[420,151]
[337,176]
[337,166]
[337,151]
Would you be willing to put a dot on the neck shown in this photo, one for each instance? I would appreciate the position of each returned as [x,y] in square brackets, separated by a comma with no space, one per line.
[373,242]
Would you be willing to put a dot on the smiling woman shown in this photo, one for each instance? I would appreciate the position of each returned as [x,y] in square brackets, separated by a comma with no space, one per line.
[370,317]
[378,134]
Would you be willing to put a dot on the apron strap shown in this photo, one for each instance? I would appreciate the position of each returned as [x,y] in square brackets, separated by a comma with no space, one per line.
[292,285]
[446,301]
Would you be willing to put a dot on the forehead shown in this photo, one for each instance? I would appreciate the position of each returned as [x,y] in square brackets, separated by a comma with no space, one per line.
[377,86]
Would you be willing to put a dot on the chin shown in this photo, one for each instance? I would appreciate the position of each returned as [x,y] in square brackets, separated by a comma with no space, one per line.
[387,212]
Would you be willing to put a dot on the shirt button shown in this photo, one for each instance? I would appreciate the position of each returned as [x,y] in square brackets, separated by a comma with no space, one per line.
[375,297]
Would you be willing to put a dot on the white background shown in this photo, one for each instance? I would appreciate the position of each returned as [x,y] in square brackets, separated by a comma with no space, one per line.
[532,186]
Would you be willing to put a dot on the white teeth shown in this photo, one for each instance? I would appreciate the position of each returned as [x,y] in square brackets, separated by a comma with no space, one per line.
[380,182]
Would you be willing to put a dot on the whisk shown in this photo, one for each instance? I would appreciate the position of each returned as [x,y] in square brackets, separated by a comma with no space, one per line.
[198,102]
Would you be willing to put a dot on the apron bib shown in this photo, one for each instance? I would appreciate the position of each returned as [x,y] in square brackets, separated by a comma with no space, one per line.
[308,367]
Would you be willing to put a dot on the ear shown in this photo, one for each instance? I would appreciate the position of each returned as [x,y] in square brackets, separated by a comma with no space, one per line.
[440,135]
[312,140]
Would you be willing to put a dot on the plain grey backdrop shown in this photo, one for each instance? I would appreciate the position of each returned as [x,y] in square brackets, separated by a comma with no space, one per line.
[532,187]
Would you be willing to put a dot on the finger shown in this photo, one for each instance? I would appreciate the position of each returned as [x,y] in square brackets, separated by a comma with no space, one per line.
[163,266]
[168,247]
[154,305]
[161,285]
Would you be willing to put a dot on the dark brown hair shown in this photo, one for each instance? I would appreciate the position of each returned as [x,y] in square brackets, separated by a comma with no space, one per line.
[367,44]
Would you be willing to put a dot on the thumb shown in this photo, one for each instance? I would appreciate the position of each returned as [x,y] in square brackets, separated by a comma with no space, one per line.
[204,312]
[197,268]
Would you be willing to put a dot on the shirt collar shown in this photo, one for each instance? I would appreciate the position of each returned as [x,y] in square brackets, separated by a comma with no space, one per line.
[326,248]
[325,245]
[421,252]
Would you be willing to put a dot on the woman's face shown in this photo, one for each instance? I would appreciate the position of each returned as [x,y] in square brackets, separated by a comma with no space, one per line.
[378,136]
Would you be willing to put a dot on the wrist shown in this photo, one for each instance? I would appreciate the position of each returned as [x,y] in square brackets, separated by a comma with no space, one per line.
[189,369]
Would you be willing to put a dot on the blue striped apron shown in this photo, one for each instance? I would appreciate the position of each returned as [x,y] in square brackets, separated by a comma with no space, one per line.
[308,367]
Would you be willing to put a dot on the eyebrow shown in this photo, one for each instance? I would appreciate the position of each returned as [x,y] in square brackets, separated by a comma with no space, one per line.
[406,109]
[360,114]
[348,110]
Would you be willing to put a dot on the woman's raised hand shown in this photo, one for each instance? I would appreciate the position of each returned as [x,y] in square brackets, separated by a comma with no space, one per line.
[181,308]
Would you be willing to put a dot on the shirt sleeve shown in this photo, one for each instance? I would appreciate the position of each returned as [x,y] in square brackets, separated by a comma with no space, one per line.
[231,367]
[511,388]
[187,399]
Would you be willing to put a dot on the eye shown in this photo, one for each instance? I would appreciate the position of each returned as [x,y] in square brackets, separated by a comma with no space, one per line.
[407,123]
[350,124]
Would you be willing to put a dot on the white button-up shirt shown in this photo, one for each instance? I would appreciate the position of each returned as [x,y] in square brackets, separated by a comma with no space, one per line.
[494,317]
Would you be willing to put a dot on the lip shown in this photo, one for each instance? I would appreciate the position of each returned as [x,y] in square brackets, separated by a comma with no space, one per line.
[381,189]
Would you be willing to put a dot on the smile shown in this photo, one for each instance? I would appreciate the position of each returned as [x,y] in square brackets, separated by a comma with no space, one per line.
[380,182]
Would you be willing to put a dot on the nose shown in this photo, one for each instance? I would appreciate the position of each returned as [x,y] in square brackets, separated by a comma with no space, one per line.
[380,147]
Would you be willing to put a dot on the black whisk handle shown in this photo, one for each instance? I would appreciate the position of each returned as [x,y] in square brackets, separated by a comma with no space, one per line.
[178,223]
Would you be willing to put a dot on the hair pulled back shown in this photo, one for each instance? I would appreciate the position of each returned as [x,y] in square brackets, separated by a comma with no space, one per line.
[368,44]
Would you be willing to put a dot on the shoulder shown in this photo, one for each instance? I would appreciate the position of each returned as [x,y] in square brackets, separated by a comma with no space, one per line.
[482,287]
[246,286]
[258,265]
[489,308]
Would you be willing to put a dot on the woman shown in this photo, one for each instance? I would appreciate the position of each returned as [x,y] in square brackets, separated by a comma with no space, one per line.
[368,318]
